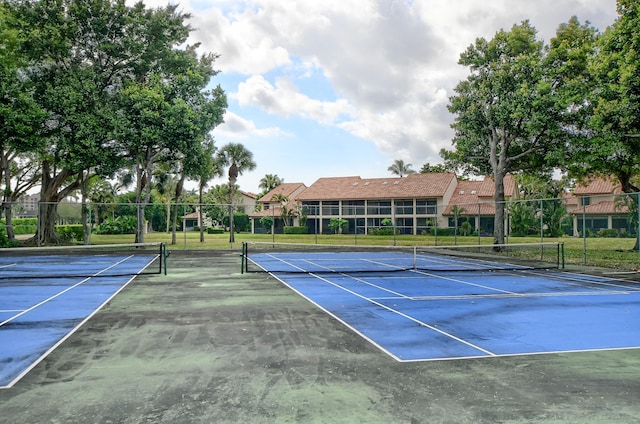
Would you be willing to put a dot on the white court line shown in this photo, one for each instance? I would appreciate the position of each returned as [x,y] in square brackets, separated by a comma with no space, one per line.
[80,324]
[8,265]
[402,314]
[61,292]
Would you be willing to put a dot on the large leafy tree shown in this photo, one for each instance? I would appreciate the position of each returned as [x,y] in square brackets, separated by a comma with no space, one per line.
[610,146]
[82,54]
[510,111]
[20,117]
[612,143]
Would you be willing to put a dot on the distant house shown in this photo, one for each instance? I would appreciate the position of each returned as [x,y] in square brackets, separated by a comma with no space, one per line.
[413,203]
[473,202]
[272,204]
[597,206]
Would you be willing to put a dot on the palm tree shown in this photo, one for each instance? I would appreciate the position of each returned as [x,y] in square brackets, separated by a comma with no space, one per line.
[400,168]
[269,182]
[239,159]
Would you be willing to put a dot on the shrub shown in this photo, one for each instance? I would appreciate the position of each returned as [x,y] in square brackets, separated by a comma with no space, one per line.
[295,230]
[442,231]
[211,230]
[608,232]
[70,232]
[23,225]
[120,225]
[384,231]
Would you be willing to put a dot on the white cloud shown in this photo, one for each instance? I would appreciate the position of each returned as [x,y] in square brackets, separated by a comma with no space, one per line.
[391,64]
[284,99]
[236,127]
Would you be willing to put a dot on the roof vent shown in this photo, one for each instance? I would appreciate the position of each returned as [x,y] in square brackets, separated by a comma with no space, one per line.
[474,192]
[355,184]
[367,183]
[384,183]
[461,192]
[396,182]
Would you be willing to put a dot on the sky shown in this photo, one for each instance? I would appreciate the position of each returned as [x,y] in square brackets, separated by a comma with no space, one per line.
[329,88]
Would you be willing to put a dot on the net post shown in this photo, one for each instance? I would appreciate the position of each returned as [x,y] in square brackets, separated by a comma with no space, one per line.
[243,257]
[164,255]
[415,258]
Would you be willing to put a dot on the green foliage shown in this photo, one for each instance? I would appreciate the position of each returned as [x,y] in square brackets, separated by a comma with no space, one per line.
[70,232]
[382,231]
[266,222]
[522,217]
[337,225]
[125,224]
[295,230]
[241,222]
[211,230]
[608,233]
[22,225]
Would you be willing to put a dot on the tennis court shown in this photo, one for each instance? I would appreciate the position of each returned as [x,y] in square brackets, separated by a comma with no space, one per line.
[46,294]
[467,302]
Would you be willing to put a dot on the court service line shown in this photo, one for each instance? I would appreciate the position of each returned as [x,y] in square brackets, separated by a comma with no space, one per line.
[468,283]
[62,292]
[409,317]
[8,265]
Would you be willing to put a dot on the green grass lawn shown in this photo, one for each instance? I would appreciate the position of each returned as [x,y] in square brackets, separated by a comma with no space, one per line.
[614,253]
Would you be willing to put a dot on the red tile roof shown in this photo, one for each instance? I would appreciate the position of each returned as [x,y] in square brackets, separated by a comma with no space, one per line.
[597,185]
[352,188]
[284,189]
[602,208]
[488,187]
[467,200]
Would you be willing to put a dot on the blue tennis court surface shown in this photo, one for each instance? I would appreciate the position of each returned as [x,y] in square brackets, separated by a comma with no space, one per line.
[39,311]
[418,315]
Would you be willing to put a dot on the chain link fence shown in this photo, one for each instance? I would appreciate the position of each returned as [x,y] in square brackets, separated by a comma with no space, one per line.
[589,221]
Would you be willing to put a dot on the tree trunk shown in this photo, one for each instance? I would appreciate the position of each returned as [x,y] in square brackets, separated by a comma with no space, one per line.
[200,213]
[51,193]
[6,198]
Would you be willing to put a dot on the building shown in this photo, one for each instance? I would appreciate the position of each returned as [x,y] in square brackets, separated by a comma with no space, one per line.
[599,204]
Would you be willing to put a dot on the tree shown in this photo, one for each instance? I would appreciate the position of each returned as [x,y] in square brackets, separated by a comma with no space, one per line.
[239,160]
[400,168]
[20,118]
[82,54]
[611,143]
[510,111]
[269,182]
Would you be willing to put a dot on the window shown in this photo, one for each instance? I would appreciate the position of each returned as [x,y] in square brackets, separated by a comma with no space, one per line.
[312,208]
[353,207]
[404,207]
[331,208]
[379,207]
[426,207]
[404,225]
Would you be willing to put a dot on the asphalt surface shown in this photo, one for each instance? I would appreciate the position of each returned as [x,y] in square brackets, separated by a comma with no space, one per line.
[206,344]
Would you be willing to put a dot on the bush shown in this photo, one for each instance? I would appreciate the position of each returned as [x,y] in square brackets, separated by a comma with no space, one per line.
[442,231]
[384,231]
[211,230]
[295,230]
[608,232]
[120,225]
[70,232]
[23,225]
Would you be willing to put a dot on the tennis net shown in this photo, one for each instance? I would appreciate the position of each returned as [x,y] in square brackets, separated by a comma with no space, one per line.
[112,260]
[321,258]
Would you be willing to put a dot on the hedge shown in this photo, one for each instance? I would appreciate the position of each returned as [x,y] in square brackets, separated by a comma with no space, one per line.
[296,230]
